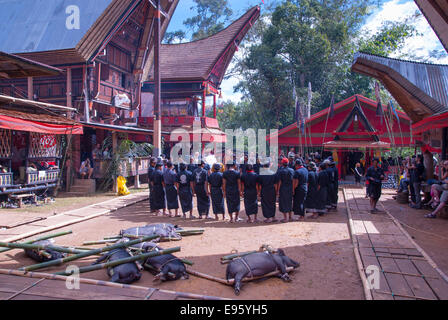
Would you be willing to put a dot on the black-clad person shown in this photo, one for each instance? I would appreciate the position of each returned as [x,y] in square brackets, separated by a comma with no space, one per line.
[249,192]
[169,180]
[215,182]
[267,187]
[151,169]
[323,182]
[200,189]
[185,186]
[332,201]
[300,189]
[374,175]
[157,188]
[285,189]
[231,190]
[312,194]
[192,166]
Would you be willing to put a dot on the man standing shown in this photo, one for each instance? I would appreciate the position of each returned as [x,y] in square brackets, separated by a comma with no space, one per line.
[157,189]
[231,190]
[285,190]
[169,180]
[334,185]
[185,186]
[374,175]
[200,189]
[300,189]
[267,187]
[417,178]
[151,169]
[215,182]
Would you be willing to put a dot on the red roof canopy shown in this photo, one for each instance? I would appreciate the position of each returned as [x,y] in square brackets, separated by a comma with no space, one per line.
[320,131]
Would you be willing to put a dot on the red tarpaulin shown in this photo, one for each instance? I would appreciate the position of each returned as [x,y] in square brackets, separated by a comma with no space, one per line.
[11,123]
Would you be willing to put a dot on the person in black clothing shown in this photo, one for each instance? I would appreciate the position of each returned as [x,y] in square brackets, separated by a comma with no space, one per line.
[249,191]
[334,185]
[267,188]
[157,188]
[185,186]
[192,166]
[200,189]
[311,196]
[323,182]
[417,179]
[231,189]
[215,182]
[375,175]
[285,190]
[151,169]
[169,182]
[358,171]
[300,189]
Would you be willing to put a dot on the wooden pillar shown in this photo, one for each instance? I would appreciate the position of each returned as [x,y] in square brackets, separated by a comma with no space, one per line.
[214,106]
[444,143]
[157,139]
[114,150]
[30,89]
[428,162]
[203,103]
[69,88]
[137,176]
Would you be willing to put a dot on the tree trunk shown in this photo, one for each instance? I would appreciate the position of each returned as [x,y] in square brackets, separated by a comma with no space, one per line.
[428,162]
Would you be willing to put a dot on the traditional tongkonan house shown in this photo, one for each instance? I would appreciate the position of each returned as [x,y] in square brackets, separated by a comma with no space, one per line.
[191,75]
[354,132]
[31,134]
[421,89]
[105,49]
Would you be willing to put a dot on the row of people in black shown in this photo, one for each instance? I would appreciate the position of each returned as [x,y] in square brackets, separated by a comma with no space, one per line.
[299,188]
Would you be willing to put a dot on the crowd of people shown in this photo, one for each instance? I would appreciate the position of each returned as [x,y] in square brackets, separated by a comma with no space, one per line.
[300,185]
[413,177]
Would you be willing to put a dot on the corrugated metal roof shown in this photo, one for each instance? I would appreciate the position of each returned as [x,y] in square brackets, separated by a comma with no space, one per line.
[425,78]
[40,25]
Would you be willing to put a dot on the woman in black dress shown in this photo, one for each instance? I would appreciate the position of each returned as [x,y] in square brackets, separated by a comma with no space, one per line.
[185,187]
[312,196]
[267,187]
[231,190]
[215,182]
[249,191]
[157,188]
[323,182]
[202,198]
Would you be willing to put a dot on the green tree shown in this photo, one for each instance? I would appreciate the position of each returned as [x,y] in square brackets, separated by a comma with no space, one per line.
[211,17]
[311,41]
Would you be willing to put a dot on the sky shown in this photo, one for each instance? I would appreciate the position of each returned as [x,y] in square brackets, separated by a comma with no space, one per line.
[389,10]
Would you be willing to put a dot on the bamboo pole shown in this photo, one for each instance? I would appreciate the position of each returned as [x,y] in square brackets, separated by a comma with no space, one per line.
[39,247]
[110,284]
[231,282]
[236,255]
[91,243]
[85,254]
[54,235]
[121,261]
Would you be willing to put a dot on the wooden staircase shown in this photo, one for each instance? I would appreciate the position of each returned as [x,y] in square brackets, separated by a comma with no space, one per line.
[82,188]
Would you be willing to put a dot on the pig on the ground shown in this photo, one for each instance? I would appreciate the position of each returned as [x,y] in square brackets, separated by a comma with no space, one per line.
[166,231]
[37,256]
[259,264]
[124,273]
[167,266]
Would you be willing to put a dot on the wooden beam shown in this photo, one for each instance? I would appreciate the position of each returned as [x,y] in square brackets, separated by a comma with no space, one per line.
[69,88]
[30,88]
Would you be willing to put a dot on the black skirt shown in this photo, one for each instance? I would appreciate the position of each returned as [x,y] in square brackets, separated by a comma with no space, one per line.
[250,201]
[159,197]
[202,198]
[186,198]
[217,200]
[285,198]
[171,197]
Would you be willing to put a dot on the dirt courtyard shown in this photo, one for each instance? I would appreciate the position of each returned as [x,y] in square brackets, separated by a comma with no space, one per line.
[322,246]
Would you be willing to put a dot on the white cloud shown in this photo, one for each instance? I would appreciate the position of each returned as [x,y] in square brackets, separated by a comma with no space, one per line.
[420,46]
